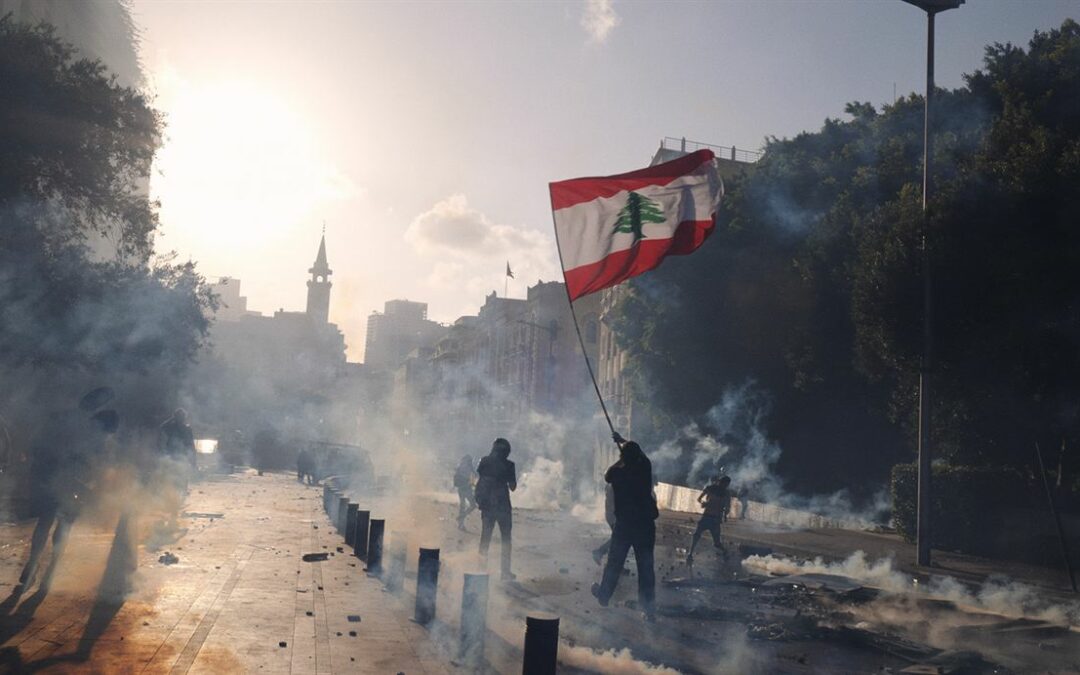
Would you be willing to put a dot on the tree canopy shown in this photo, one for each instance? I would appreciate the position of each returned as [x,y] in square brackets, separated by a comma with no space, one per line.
[80,290]
[811,285]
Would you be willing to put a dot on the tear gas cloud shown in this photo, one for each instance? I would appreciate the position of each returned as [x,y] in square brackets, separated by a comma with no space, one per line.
[998,595]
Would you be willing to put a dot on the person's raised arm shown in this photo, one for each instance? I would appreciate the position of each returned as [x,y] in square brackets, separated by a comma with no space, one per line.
[512,483]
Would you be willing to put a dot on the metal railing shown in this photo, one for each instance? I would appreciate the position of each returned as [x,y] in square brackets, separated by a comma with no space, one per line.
[721,151]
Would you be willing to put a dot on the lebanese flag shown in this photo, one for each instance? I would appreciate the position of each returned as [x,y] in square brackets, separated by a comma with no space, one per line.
[612,228]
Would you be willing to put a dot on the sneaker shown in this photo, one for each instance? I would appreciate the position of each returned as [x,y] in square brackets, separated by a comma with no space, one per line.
[508,576]
[595,590]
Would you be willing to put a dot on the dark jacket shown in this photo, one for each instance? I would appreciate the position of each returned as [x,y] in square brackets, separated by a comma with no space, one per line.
[177,440]
[632,485]
[497,478]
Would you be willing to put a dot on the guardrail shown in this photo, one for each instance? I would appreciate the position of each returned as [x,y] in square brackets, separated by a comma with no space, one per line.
[722,151]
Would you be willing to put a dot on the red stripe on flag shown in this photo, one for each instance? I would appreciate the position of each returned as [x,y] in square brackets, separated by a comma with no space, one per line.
[646,255]
[566,193]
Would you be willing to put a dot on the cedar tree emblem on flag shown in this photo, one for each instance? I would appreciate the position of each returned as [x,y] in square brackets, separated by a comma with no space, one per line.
[638,209]
[611,228]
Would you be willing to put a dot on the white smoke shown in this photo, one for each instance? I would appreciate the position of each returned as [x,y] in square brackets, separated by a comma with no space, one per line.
[731,439]
[998,595]
[542,486]
[621,662]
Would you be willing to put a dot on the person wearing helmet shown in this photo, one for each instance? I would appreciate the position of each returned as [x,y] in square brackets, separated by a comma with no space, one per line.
[497,479]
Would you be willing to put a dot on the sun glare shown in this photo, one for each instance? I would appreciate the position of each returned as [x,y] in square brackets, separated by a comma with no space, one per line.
[239,166]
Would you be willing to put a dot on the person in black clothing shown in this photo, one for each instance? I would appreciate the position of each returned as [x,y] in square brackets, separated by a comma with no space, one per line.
[176,439]
[62,476]
[497,479]
[609,516]
[716,498]
[463,476]
[305,466]
[635,525]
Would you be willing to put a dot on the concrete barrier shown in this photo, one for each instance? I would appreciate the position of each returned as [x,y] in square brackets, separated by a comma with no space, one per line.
[683,499]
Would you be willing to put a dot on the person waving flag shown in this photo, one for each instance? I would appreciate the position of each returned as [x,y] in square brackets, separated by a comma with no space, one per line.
[612,228]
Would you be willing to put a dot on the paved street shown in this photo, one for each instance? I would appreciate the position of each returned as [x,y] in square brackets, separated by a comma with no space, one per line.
[239,599]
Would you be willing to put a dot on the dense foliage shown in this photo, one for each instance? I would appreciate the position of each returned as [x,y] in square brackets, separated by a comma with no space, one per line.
[82,299]
[811,285]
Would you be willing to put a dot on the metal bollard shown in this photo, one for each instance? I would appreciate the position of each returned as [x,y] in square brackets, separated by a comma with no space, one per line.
[350,523]
[360,535]
[427,585]
[342,511]
[399,551]
[375,546]
[541,645]
[474,601]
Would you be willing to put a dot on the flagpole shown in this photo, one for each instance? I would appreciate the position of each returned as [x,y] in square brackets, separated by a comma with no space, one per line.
[577,328]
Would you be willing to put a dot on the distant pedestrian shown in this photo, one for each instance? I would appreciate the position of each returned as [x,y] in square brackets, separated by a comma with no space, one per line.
[305,466]
[176,440]
[463,482]
[635,525]
[497,479]
[716,498]
[744,501]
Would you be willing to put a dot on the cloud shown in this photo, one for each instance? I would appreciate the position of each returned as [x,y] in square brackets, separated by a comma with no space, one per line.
[599,19]
[470,252]
[454,227]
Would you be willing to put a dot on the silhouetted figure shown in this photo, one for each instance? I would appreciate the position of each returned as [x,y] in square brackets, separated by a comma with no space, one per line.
[176,440]
[609,515]
[463,481]
[497,478]
[635,525]
[744,501]
[305,466]
[716,498]
[62,472]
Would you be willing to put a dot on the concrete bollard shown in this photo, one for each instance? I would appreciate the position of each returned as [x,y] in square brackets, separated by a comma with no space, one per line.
[360,535]
[375,546]
[474,601]
[399,551]
[331,509]
[427,585]
[541,645]
[342,511]
[350,523]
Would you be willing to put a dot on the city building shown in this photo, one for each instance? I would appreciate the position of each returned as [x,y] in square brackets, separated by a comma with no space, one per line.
[286,372]
[395,332]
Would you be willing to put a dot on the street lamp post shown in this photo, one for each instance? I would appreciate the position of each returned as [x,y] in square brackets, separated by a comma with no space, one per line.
[932,8]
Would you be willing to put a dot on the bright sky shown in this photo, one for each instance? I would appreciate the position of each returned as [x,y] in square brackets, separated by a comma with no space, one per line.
[424,134]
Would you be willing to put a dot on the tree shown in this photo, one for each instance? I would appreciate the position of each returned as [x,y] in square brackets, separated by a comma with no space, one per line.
[811,283]
[74,160]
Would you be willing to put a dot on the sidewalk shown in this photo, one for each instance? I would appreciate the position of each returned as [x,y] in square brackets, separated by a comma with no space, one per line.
[239,600]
